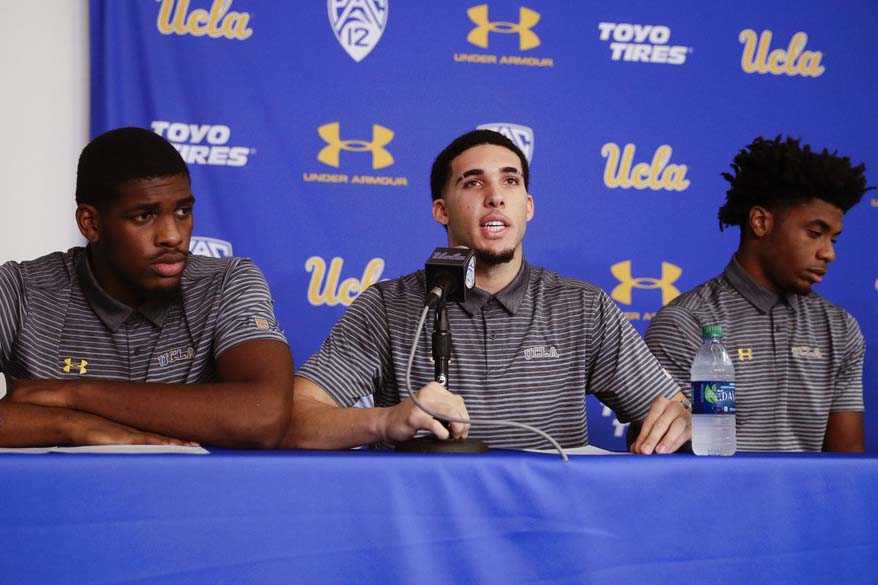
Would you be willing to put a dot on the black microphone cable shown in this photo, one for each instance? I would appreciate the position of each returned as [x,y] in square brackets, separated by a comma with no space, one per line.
[493,423]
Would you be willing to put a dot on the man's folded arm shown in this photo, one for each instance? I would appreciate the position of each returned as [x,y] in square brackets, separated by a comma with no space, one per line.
[28,425]
[247,408]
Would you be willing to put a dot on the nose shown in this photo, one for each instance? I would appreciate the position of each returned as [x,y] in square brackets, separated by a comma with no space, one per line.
[494,197]
[168,231]
[826,252]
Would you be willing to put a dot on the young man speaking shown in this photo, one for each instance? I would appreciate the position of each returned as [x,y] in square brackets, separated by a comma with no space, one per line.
[586,345]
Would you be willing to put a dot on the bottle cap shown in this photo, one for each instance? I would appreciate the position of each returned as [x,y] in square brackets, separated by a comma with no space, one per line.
[711,331]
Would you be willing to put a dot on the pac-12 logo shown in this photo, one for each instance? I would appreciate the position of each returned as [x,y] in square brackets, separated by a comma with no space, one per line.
[643,43]
[213,247]
[522,136]
[218,22]
[795,60]
[358,24]
[203,144]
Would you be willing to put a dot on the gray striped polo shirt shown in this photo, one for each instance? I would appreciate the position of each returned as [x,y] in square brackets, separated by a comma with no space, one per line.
[57,323]
[797,357]
[530,353]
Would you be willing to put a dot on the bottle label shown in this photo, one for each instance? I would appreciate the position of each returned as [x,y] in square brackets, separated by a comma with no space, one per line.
[713,397]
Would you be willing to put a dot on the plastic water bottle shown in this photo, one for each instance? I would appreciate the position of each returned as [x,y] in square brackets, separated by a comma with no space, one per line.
[713,396]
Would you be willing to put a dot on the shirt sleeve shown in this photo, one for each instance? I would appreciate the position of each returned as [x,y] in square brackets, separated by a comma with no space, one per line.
[674,337]
[355,360]
[12,310]
[848,390]
[623,374]
[246,310]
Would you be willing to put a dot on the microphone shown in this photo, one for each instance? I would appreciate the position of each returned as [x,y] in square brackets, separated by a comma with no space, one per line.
[450,273]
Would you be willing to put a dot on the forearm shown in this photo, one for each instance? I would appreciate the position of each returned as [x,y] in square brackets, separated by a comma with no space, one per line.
[27,425]
[224,414]
[315,425]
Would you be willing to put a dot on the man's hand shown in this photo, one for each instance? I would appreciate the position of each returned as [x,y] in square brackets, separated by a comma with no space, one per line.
[666,427]
[88,429]
[57,393]
[402,421]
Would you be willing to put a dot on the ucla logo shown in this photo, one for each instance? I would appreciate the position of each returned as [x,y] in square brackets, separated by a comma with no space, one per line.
[522,136]
[656,175]
[358,24]
[70,366]
[622,272]
[795,60]
[643,43]
[203,144]
[213,247]
[176,355]
[330,153]
[527,19]
[324,288]
[806,352]
[217,23]
[541,352]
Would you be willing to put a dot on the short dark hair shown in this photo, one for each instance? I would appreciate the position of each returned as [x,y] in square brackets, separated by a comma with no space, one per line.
[122,155]
[442,164]
[777,174]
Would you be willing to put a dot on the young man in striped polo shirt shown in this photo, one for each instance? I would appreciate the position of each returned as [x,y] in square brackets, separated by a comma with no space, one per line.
[798,358]
[528,344]
[130,340]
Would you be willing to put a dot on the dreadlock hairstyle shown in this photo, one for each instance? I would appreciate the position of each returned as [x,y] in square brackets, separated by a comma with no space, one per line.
[777,174]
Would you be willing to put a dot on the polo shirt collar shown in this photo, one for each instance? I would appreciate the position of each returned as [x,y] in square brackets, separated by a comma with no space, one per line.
[758,296]
[110,311]
[510,297]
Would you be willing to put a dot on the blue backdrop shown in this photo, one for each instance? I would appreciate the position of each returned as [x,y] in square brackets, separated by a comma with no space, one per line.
[310,127]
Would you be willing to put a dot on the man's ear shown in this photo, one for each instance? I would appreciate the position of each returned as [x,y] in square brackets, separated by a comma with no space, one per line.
[88,219]
[761,221]
[440,212]
[530,207]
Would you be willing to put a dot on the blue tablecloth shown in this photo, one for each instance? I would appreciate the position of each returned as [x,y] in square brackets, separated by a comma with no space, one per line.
[363,517]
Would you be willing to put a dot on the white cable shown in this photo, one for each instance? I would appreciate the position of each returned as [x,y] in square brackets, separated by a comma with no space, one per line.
[493,423]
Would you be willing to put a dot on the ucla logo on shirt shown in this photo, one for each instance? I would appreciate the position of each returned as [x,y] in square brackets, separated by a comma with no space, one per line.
[213,247]
[807,352]
[623,291]
[220,21]
[659,174]
[358,24]
[522,136]
[642,43]
[326,286]
[759,58]
[340,149]
[541,352]
[490,31]
[203,144]
[176,355]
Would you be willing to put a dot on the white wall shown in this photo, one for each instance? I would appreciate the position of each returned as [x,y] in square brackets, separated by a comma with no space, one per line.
[44,121]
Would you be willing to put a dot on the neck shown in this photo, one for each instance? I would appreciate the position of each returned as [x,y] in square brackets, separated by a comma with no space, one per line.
[754,266]
[107,280]
[492,278]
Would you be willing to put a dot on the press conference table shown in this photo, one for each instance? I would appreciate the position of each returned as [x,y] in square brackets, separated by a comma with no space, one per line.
[287,517]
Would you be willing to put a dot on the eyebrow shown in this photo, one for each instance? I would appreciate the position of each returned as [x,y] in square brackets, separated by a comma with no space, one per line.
[479,172]
[823,225]
[156,207]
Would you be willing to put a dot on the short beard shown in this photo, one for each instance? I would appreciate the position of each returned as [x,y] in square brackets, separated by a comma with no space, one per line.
[487,258]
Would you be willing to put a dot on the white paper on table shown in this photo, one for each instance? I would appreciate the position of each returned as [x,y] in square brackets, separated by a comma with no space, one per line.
[124,449]
[584,450]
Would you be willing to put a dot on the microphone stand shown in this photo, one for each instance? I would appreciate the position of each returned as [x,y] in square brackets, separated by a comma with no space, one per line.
[441,350]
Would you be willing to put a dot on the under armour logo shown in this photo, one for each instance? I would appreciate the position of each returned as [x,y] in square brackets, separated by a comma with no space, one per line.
[68,364]
[622,272]
[745,354]
[381,137]
[527,19]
